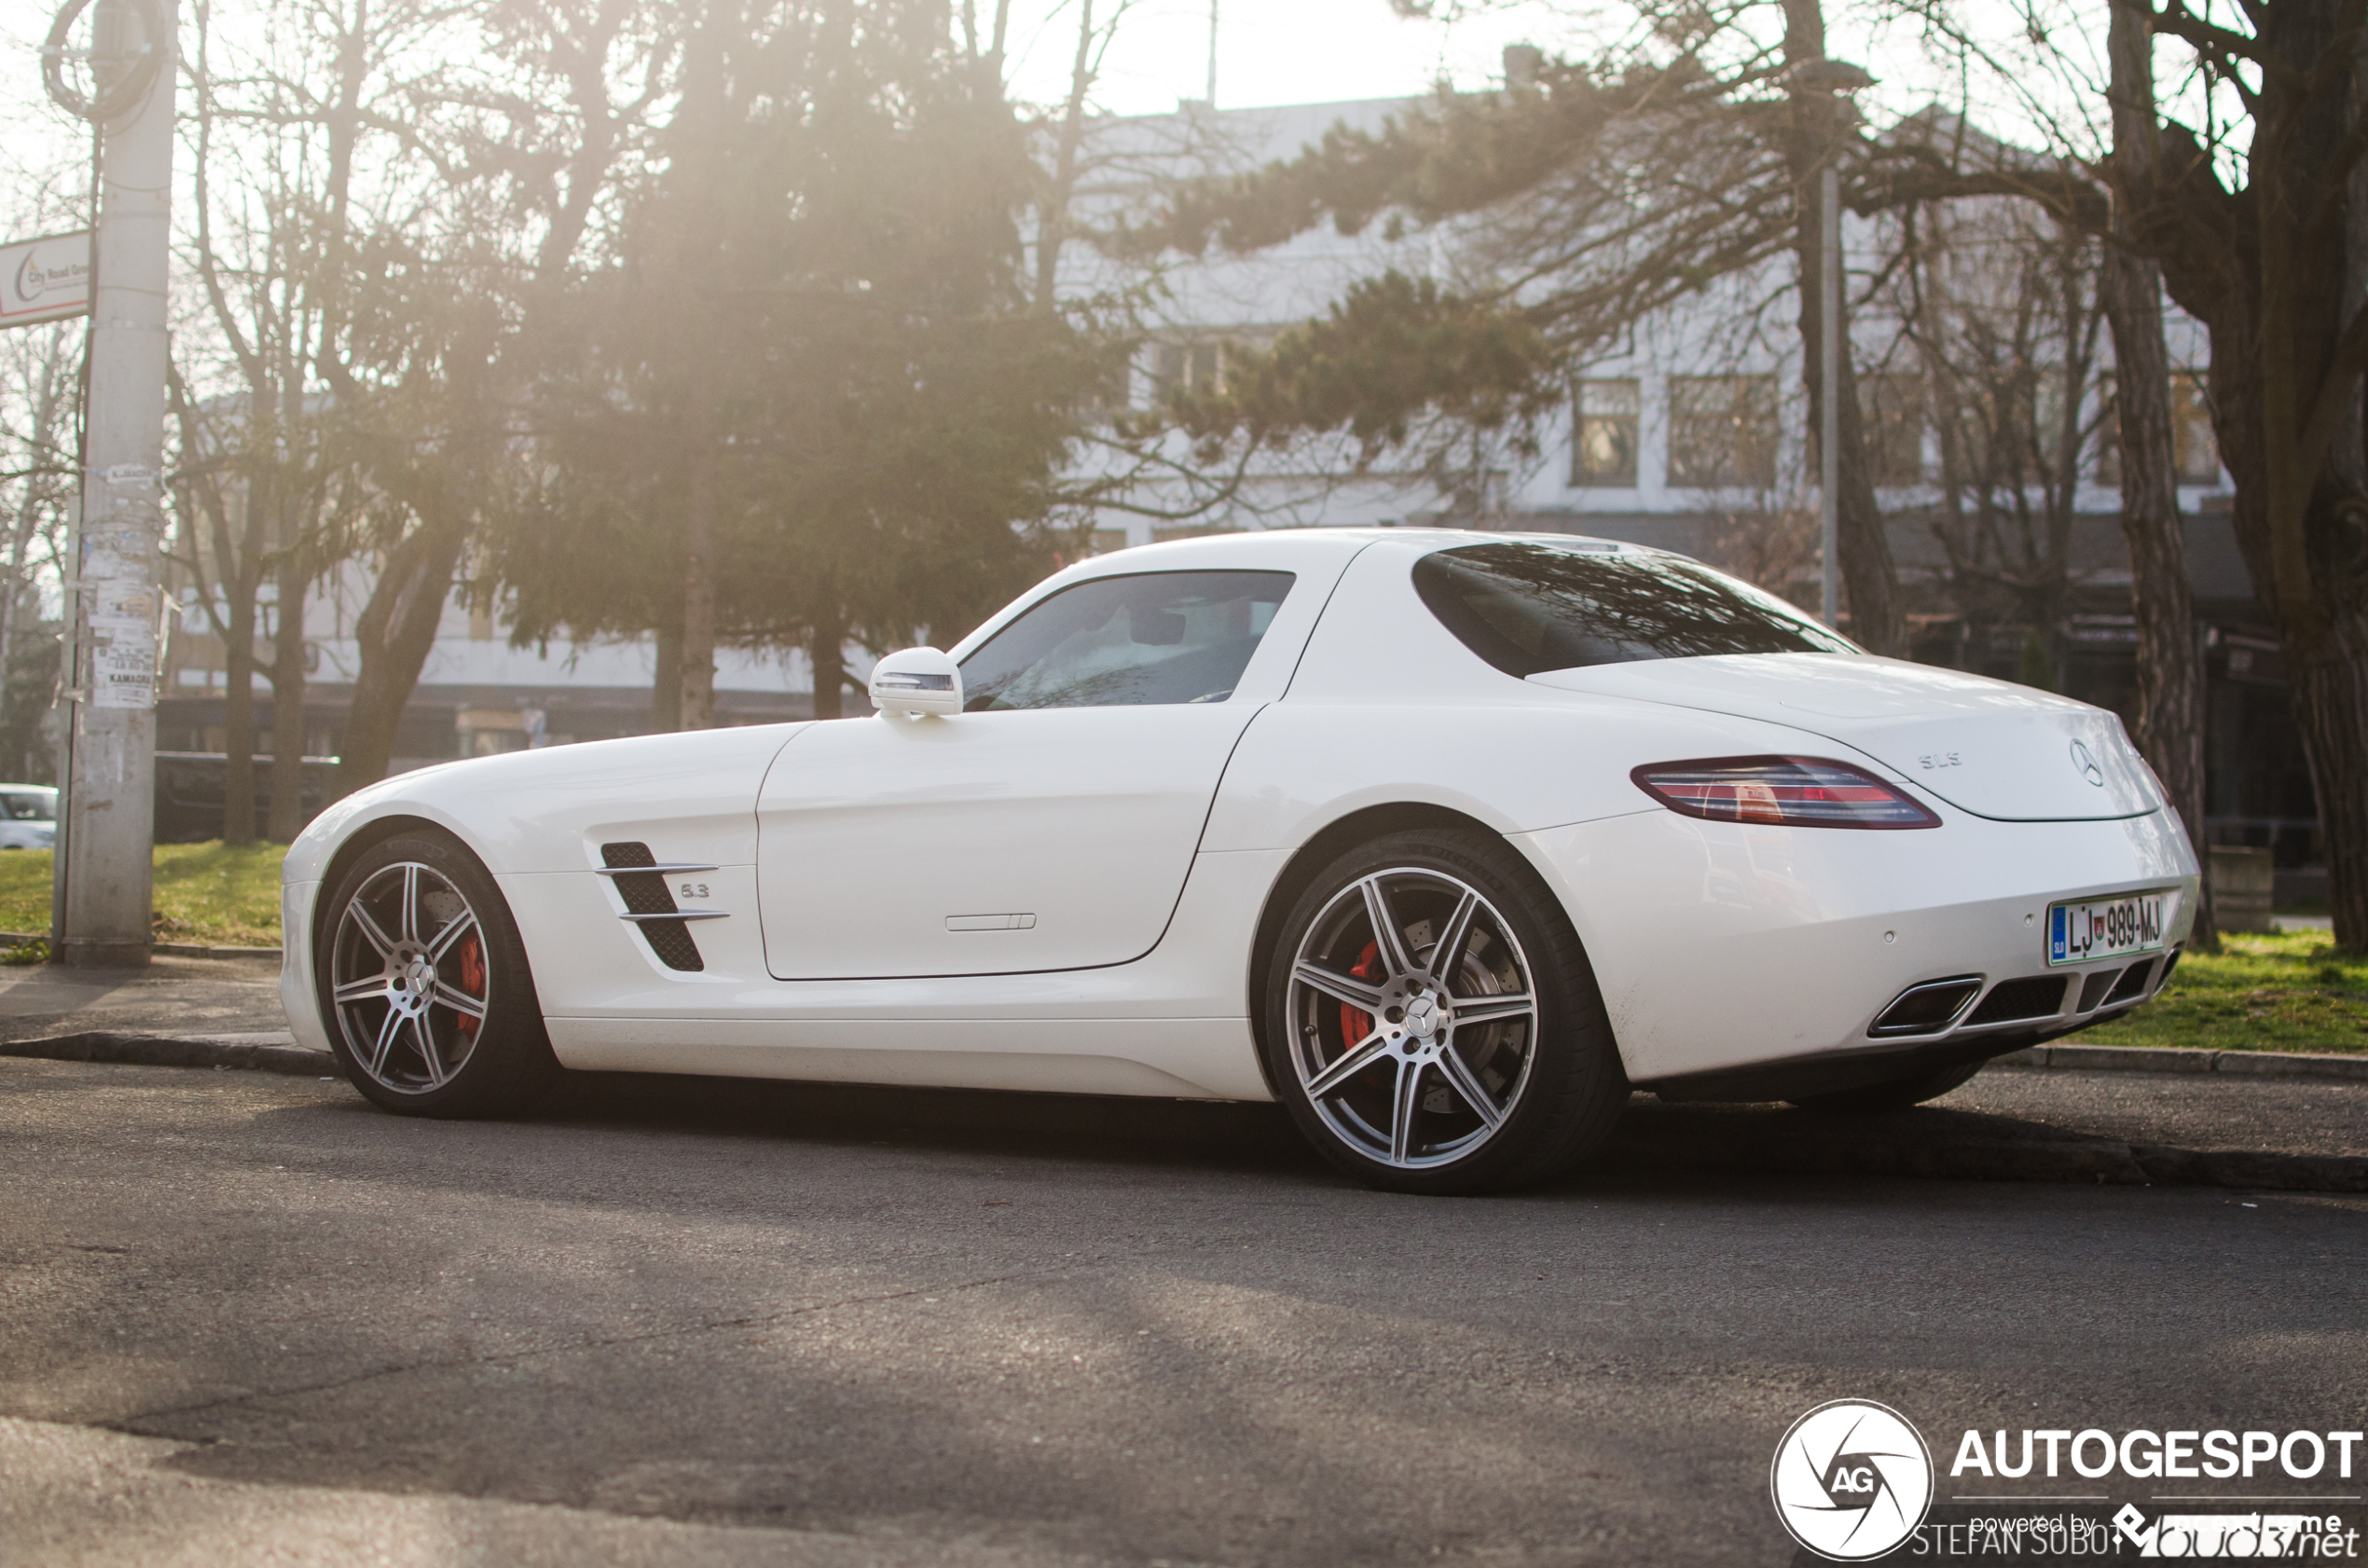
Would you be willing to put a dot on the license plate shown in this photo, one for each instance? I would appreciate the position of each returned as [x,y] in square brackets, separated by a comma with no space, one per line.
[2106,928]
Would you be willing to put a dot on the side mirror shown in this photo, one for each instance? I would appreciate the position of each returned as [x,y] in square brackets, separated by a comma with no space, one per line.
[916,681]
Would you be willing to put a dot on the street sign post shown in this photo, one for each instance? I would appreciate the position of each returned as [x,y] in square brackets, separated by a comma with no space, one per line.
[45,280]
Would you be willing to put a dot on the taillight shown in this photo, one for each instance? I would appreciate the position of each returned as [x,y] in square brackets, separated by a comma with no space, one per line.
[1783,792]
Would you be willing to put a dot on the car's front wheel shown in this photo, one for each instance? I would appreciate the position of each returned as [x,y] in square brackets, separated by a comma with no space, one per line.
[1433,1023]
[424,986]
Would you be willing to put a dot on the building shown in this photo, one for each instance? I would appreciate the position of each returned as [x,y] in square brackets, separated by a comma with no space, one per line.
[1688,435]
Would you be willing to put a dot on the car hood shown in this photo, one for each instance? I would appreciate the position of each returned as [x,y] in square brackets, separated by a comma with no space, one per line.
[1987,746]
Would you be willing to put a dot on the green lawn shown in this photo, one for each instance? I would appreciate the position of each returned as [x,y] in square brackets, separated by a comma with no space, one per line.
[2287,992]
[204,892]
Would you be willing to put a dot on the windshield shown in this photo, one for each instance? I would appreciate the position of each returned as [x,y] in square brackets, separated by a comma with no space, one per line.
[1531,608]
[29,805]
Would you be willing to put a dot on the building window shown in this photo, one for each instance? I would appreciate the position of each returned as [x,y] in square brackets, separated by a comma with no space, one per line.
[1604,433]
[1110,394]
[1892,410]
[2194,453]
[2107,464]
[1722,431]
[1179,368]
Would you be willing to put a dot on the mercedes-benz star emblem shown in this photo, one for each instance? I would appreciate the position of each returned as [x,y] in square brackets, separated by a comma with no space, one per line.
[2086,763]
[1851,1480]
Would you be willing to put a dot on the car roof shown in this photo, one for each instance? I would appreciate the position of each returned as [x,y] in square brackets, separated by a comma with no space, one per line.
[1276,550]
[1218,551]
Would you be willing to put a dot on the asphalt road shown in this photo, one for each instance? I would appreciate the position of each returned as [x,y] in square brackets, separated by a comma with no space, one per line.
[249,1320]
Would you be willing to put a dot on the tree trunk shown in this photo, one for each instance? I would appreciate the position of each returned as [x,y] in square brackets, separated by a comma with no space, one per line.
[1869,579]
[287,708]
[45,411]
[2170,674]
[665,683]
[2302,524]
[238,718]
[396,631]
[2331,707]
[696,707]
[826,650]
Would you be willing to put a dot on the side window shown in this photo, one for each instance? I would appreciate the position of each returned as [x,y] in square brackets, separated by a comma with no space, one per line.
[1162,637]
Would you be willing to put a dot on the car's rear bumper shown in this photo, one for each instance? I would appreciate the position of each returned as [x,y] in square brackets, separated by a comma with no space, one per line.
[1722,948]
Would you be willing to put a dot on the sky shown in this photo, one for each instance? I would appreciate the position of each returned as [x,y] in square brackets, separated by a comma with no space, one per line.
[1269,52]
[1273,52]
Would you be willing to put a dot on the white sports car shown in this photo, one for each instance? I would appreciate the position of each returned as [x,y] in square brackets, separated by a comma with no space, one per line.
[1445,839]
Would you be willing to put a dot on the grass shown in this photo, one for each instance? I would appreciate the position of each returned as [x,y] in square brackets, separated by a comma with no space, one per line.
[204,893]
[2291,991]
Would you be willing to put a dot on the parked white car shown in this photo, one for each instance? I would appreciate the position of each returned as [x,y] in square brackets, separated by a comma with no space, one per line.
[28,817]
[1445,839]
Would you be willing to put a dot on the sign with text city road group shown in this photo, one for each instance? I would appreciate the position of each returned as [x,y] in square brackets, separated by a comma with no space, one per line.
[45,280]
[1855,1481]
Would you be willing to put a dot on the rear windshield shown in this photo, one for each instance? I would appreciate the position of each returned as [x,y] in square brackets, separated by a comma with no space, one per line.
[1529,608]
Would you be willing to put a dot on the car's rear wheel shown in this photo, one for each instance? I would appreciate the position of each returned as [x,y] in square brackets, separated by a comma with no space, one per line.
[424,986]
[1896,1094]
[1432,1022]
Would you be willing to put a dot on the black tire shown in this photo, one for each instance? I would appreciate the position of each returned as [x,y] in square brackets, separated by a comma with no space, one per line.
[1553,1076]
[1896,1094]
[412,1047]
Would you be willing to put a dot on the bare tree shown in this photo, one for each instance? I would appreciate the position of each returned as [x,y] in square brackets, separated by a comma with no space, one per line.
[41,381]
[2171,675]
[2255,211]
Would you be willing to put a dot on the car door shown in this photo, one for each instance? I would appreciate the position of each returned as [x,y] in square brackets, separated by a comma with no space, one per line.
[1051,823]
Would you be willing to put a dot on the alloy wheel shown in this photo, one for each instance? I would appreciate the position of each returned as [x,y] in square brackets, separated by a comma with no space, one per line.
[1413,1017]
[409,976]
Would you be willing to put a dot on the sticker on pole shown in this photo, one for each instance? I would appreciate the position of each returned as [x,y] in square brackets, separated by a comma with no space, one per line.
[45,280]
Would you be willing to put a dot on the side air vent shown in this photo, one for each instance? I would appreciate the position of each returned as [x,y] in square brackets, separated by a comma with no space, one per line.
[2041,995]
[671,940]
[1927,1009]
[2093,989]
[2133,983]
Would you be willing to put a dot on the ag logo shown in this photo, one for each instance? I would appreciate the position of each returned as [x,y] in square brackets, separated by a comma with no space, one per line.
[1851,1480]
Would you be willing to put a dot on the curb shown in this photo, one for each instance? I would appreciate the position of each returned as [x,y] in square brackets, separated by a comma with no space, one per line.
[168,949]
[1807,1150]
[2179,1059]
[1648,1137]
[164,1051]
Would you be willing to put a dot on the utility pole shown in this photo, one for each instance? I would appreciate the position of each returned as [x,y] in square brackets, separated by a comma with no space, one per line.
[1829,373]
[1212,56]
[107,817]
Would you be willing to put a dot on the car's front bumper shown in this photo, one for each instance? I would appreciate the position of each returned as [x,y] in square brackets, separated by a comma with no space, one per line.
[1723,946]
[303,1009]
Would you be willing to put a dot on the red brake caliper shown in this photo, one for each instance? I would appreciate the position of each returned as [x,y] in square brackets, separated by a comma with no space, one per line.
[1355,1023]
[472,977]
